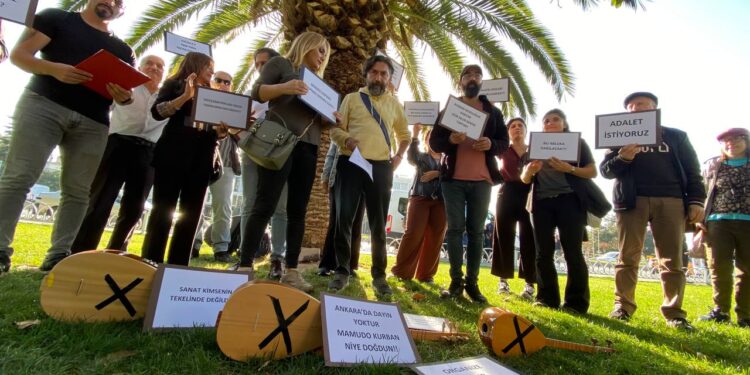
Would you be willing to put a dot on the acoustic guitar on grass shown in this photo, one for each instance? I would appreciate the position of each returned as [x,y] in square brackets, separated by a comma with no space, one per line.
[98,286]
[509,335]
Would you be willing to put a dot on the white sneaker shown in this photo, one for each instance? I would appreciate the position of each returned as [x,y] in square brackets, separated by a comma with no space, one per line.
[503,287]
[293,278]
[528,292]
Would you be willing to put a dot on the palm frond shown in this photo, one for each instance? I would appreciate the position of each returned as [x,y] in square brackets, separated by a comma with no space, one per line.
[245,71]
[231,19]
[413,71]
[588,4]
[164,15]
[72,5]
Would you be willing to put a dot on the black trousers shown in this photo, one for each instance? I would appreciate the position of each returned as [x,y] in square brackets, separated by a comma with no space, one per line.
[171,185]
[352,186]
[126,161]
[563,212]
[298,173]
[328,256]
[511,210]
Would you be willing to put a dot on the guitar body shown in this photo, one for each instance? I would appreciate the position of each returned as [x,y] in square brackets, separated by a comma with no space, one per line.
[98,286]
[269,320]
[508,334]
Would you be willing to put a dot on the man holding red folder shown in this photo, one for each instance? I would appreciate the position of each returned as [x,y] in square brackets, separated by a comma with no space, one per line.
[56,110]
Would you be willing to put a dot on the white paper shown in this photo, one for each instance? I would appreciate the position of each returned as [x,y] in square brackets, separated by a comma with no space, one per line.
[191,298]
[482,365]
[320,96]
[461,117]
[358,331]
[425,113]
[18,11]
[214,106]
[496,90]
[426,323]
[361,162]
[564,146]
[620,129]
[181,45]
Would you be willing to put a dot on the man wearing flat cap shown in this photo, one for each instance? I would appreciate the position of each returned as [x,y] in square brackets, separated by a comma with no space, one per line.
[662,187]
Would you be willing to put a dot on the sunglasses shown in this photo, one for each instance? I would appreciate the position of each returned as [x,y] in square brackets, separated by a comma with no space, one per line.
[223,81]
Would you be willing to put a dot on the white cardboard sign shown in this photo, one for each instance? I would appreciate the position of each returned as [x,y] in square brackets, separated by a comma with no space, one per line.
[564,146]
[215,106]
[181,45]
[320,95]
[496,90]
[482,365]
[461,117]
[18,11]
[620,129]
[425,113]
[184,297]
[357,331]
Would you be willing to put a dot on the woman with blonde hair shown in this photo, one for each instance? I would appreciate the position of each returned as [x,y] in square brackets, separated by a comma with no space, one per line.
[280,85]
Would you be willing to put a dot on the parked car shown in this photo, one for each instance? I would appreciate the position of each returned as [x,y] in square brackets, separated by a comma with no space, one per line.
[609,256]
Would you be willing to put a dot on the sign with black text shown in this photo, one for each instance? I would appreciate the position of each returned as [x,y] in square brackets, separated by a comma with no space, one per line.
[184,297]
[425,113]
[496,90]
[320,96]
[215,106]
[482,365]
[181,46]
[620,129]
[564,146]
[357,331]
[18,11]
[461,117]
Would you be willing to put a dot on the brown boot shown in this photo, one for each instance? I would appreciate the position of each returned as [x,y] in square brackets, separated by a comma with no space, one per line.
[293,278]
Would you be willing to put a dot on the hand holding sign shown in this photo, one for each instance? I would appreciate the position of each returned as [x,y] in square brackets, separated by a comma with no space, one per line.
[294,87]
[457,138]
[628,152]
[559,165]
[482,144]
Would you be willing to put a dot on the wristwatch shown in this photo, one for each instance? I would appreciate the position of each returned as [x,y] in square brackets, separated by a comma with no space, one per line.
[573,170]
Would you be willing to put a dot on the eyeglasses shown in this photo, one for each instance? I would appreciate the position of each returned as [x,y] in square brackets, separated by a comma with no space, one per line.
[223,81]
[733,139]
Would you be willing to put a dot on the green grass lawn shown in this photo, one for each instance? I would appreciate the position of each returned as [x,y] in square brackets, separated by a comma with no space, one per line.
[645,345]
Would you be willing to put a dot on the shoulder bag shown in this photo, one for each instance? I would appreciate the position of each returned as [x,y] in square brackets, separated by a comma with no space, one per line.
[269,143]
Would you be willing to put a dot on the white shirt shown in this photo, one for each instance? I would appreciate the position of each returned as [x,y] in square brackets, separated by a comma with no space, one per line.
[135,118]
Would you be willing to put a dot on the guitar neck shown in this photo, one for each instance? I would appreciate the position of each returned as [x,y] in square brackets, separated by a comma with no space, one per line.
[580,347]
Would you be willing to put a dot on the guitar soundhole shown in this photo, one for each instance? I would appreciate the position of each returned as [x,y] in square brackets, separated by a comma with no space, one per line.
[484,328]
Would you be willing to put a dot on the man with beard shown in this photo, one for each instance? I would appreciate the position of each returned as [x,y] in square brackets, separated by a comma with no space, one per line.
[56,110]
[467,173]
[369,119]
[127,161]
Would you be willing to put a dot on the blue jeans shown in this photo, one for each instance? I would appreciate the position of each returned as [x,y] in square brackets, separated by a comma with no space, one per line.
[221,207]
[466,204]
[278,220]
[39,125]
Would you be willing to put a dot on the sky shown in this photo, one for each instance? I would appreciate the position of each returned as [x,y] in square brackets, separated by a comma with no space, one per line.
[692,54]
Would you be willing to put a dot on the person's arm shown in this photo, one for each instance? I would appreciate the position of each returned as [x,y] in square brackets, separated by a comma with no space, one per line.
[587,160]
[440,138]
[500,140]
[268,86]
[615,163]
[172,96]
[24,57]
[340,134]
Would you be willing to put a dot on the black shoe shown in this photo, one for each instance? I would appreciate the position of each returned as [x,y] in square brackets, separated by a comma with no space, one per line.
[620,314]
[4,264]
[50,261]
[472,290]
[324,272]
[680,323]
[340,281]
[455,290]
[223,256]
[715,315]
[571,310]
[275,271]
[744,323]
[381,287]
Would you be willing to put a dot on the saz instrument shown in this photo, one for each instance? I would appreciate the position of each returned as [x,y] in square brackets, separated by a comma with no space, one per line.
[98,286]
[508,335]
[269,320]
[432,328]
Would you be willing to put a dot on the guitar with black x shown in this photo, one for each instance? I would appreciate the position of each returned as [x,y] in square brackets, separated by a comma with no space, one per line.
[98,286]
[265,319]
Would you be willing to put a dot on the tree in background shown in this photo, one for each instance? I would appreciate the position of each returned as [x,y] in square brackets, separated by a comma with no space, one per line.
[356,28]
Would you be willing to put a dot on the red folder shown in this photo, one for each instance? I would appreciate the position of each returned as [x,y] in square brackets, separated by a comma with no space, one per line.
[107,68]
